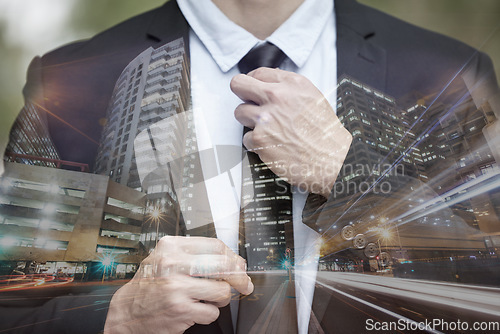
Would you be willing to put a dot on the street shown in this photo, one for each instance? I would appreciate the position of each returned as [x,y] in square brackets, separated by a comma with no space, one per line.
[355,303]
[343,303]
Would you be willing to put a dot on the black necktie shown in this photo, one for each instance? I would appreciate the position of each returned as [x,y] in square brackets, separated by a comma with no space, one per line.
[267,215]
[264,55]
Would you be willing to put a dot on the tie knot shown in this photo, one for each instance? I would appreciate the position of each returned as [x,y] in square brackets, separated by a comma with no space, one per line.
[265,55]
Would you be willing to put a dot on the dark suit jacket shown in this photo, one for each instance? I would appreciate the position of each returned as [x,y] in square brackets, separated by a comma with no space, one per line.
[74,84]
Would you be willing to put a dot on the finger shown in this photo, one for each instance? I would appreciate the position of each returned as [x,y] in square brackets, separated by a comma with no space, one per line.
[248,89]
[224,268]
[204,313]
[269,75]
[202,245]
[248,141]
[193,245]
[215,292]
[247,114]
[241,282]
[200,265]
[215,265]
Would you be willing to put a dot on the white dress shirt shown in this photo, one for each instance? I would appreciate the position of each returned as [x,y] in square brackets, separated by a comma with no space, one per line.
[308,38]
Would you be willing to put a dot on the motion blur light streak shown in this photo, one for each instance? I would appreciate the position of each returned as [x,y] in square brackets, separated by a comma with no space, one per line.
[471,298]
[66,123]
[463,192]
[398,316]
[419,139]
[25,282]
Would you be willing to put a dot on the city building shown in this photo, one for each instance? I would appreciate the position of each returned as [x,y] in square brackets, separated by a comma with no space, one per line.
[56,218]
[455,154]
[149,144]
[148,139]
[30,142]
[153,87]
[419,180]
[266,218]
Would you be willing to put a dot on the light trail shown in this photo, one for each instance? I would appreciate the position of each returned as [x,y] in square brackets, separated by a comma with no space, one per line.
[442,198]
[67,123]
[25,282]
[470,298]
[428,129]
[440,202]
[413,145]
[376,307]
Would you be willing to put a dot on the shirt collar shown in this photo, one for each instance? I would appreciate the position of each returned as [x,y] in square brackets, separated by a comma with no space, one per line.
[228,43]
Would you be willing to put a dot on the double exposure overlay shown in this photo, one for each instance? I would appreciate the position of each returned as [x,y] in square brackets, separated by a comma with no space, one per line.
[106,160]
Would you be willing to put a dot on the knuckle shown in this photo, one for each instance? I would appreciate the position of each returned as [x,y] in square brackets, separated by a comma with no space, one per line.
[297,79]
[164,242]
[239,111]
[258,139]
[235,81]
[223,293]
[226,294]
[219,246]
[168,266]
[273,94]
[259,72]
[211,314]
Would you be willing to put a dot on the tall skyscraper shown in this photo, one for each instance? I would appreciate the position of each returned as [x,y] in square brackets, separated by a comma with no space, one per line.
[149,143]
[405,155]
[29,138]
[151,88]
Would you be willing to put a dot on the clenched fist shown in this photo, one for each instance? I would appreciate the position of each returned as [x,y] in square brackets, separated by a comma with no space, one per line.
[295,130]
[183,282]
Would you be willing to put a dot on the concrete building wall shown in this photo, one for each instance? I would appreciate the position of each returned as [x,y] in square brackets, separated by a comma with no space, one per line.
[49,214]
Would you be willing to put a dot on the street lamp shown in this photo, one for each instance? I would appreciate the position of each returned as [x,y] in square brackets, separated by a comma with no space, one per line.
[155,215]
[385,234]
[106,261]
[8,241]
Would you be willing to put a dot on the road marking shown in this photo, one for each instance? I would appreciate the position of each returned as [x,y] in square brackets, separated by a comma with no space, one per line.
[264,318]
[405,309]
[381,309]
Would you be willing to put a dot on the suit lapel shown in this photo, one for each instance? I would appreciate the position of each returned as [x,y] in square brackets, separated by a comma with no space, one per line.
[357,55]
[168,24]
